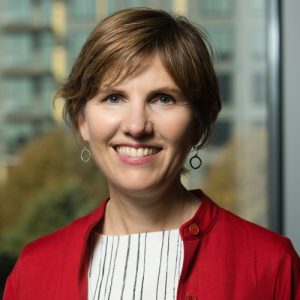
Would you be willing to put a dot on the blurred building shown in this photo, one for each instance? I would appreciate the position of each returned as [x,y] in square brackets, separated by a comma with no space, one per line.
[27,82]
[40,40]
[237,29]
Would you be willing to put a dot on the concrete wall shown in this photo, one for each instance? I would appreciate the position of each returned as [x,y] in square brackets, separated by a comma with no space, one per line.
[291,120]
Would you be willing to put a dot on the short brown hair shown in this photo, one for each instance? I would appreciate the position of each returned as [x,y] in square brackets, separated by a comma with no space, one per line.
[125,41]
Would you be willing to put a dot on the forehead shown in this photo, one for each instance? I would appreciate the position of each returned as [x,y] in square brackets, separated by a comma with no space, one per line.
[151,72]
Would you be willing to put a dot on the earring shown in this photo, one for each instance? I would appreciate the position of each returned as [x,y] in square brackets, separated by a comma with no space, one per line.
[198,159]
[89,153]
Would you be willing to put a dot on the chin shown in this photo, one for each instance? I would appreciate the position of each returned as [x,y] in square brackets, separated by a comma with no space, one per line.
[140,185]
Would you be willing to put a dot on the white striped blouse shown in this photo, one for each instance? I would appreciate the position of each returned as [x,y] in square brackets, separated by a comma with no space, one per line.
[139,266]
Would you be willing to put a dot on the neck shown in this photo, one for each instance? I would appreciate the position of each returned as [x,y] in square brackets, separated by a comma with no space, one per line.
[156,211]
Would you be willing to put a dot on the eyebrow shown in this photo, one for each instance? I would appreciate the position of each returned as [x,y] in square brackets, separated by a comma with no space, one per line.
[163,90]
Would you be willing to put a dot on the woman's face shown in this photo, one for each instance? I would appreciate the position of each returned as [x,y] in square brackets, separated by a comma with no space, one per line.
[140,130]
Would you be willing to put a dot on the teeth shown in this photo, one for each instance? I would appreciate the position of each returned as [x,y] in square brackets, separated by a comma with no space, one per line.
[136,152]
[127,151]
[133,152]
[140,152]
[146,151]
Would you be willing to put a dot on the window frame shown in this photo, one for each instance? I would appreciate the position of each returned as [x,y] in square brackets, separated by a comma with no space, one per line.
[274,98]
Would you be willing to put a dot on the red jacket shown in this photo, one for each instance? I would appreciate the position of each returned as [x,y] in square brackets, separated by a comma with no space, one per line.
[225,257]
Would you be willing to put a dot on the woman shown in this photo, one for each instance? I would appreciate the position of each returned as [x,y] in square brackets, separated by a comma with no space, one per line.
[143,93]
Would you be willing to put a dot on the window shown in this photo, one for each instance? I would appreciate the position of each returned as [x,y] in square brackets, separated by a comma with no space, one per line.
[167,5]
[76,42]
[18,94]
[17,11]
[223,40]
[258,7]
[46,11]
[46,47]
[136,3]
[258,88]
[47,93]
[217,7]
[16,134]
[221,133]
[112,6]
[225,87]
[234,171]
[18,48]
[258,43]
[83,9]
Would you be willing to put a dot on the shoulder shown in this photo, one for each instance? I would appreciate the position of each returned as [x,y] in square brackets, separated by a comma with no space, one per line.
[50,250]
[58,238]
[47,256]
[42,261]
[71,234]
[233,233]
[56,245]
[242,227]
[261,241]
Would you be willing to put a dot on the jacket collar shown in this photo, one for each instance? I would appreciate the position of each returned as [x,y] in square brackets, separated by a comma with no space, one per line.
[205,218]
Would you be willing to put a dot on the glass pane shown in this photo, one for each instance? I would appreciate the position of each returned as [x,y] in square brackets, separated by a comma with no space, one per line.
[46,10]
[17,10]
[258,7]
[18,94]
[76,42]
[217,7]
[83,9]
[223,41]
[46,44]
[16,134]
[225,85]
[17,49]
[234,169]
[258,43]
[259,87]
[47,93]
[166,5]
[112,6]
[135,3]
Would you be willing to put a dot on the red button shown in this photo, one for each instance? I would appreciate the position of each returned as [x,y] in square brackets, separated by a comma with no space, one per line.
[194,229]
[190,296]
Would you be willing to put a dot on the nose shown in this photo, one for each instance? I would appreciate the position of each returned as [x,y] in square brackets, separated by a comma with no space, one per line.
[137,120]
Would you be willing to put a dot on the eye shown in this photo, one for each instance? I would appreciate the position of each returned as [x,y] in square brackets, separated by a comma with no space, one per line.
[113,99]
[165,100]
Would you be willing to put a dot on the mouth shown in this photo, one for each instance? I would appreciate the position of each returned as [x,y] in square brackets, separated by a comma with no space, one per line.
[137,152]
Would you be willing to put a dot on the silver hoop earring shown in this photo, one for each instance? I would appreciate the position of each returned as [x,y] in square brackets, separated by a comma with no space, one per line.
[198,159]
[89,153]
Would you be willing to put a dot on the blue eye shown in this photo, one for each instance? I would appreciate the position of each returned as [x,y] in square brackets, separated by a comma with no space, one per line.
[113,99]
[164,100]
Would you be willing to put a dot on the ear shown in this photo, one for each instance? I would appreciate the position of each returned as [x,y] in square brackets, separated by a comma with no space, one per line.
[83,128]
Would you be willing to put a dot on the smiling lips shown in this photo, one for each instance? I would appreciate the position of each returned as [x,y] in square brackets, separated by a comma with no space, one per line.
[136,152]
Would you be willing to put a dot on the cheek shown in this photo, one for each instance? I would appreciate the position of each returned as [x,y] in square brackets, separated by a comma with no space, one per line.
[177,129]
[102,126]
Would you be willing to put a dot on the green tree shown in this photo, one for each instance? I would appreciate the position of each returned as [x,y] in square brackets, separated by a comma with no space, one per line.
[44,163]
[53,208]
[237,179]
[47,189]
